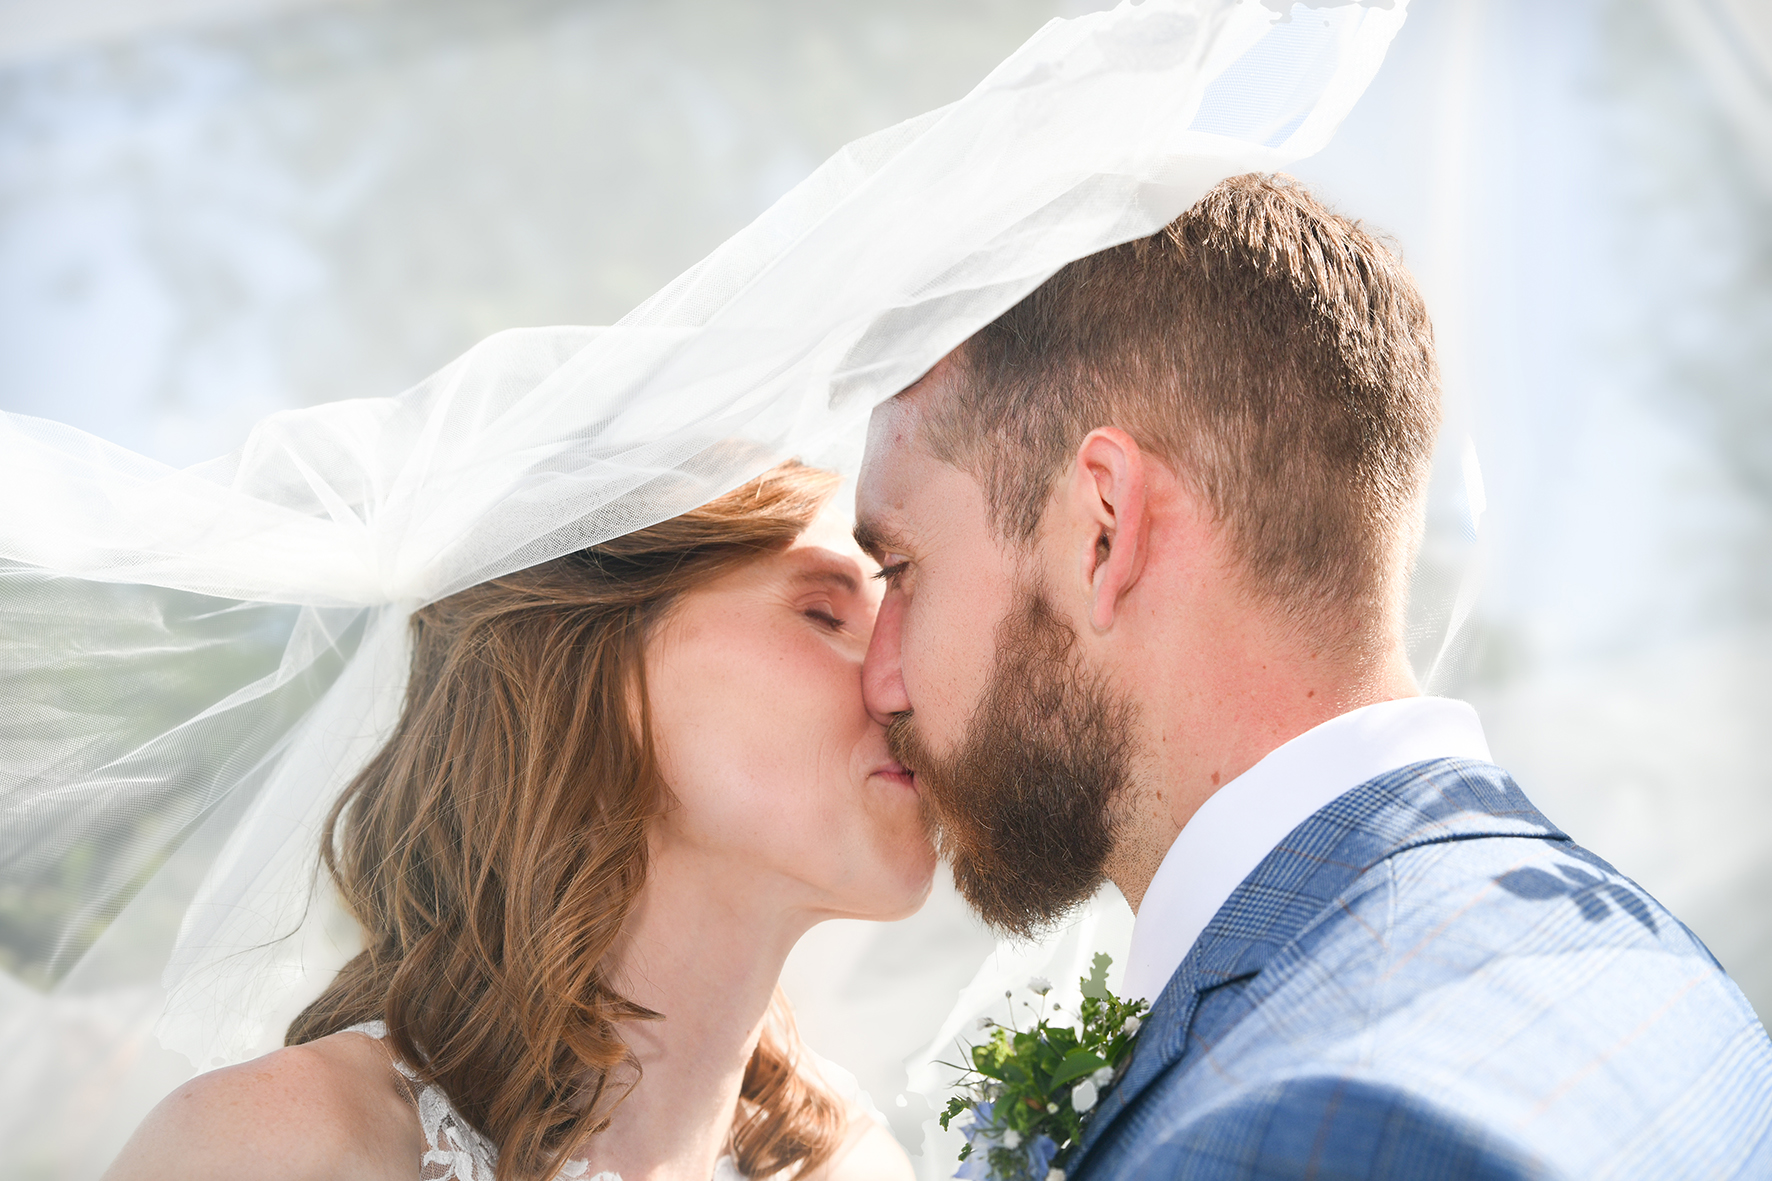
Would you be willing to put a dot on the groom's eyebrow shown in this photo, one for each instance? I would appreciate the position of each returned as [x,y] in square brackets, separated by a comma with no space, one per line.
[872,539]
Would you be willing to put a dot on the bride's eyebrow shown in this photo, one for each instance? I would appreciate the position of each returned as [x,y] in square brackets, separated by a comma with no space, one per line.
[826,576]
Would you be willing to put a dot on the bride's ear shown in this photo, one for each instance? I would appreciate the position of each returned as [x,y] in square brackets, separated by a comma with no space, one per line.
[1109,513]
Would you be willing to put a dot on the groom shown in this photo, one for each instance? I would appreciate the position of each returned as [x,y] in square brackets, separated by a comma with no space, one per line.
[1146,540]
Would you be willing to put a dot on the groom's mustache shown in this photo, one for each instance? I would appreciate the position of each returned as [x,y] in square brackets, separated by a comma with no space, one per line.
[1023,807]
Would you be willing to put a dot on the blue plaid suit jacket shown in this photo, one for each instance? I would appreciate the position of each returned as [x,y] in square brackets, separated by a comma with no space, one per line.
[1426,979]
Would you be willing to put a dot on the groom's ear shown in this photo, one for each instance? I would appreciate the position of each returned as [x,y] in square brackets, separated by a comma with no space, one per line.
[1110,528]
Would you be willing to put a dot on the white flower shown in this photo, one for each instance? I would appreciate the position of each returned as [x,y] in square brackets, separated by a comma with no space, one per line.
[1131,1026]
[1012,1139]
[1103,1077]
[986,1023]
[1040,985]
[1055,1175]
[1083,1096]
[1052,1109]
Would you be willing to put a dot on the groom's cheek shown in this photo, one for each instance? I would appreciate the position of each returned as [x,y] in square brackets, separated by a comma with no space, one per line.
[947,657]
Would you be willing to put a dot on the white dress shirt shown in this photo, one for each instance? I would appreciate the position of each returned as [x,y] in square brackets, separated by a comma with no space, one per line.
[1247,817]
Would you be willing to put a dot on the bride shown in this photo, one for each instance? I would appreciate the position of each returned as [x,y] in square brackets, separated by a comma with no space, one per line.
[623,784]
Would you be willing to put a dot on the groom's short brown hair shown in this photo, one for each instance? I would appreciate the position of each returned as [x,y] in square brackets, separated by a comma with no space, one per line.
[1275,354]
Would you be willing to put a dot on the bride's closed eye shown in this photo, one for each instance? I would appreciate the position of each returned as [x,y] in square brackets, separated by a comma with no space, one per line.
[824,617]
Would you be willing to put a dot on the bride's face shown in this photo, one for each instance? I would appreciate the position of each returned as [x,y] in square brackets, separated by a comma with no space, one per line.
[786,792]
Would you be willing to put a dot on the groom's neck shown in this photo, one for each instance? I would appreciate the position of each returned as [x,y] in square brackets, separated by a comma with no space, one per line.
[1241,691]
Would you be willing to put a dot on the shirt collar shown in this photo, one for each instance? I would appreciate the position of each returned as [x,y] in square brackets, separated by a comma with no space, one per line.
[1243,820]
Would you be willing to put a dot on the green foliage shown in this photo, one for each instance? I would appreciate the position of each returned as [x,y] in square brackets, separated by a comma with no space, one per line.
[1021,1083]
[1095,984]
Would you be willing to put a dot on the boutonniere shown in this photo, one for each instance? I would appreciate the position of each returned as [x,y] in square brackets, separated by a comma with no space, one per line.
[1030,1091]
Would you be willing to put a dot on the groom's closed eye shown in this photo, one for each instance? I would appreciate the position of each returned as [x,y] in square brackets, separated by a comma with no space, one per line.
[874,542]
[891,566]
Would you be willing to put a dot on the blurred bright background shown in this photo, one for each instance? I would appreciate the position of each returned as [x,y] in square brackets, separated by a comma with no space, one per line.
[213,210]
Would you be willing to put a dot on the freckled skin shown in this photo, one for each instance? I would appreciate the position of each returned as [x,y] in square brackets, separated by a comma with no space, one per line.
[332,1108]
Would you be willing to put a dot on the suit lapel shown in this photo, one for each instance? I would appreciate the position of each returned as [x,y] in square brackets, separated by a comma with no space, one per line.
[1162,1040]
[1231,948]
[1439,800]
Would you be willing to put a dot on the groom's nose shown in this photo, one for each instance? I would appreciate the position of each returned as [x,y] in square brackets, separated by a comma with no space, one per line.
[882,672]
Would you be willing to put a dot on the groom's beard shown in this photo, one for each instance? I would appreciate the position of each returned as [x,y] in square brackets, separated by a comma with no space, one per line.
[1023,808]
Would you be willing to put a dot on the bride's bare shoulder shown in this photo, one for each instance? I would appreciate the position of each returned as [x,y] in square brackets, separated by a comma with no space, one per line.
[332,1108]
[869,1153]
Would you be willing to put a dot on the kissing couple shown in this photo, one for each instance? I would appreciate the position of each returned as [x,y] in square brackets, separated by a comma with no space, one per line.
[1143,543]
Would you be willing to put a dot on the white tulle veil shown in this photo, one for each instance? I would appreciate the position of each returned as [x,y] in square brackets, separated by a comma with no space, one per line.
[196,661]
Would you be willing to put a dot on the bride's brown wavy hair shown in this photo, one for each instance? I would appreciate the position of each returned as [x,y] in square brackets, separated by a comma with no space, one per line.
[495,846]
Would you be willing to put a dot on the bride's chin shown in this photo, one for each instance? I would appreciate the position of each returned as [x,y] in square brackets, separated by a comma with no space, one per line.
[919,882]
[902,890]
[908,903]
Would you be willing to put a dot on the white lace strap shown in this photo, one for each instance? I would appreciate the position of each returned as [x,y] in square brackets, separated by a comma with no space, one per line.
[454,1151]
[379,1031]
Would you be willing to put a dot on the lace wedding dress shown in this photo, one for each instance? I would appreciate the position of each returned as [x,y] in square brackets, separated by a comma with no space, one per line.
[454,1151]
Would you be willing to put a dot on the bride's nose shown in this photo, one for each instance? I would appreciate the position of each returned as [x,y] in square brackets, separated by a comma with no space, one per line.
[882,676]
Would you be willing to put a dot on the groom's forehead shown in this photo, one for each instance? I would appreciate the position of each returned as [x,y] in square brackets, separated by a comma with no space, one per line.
[896,423]
[884,522]
[901,419]
[911,509]
[887,474]
[907,489]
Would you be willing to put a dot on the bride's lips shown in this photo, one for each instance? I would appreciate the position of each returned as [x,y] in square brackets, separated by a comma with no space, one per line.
[899,774]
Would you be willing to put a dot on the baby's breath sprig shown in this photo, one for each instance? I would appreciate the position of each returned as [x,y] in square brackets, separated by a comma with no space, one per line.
[1029,1091]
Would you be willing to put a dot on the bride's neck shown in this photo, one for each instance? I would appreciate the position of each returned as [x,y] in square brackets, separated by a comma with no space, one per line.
[705,951]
